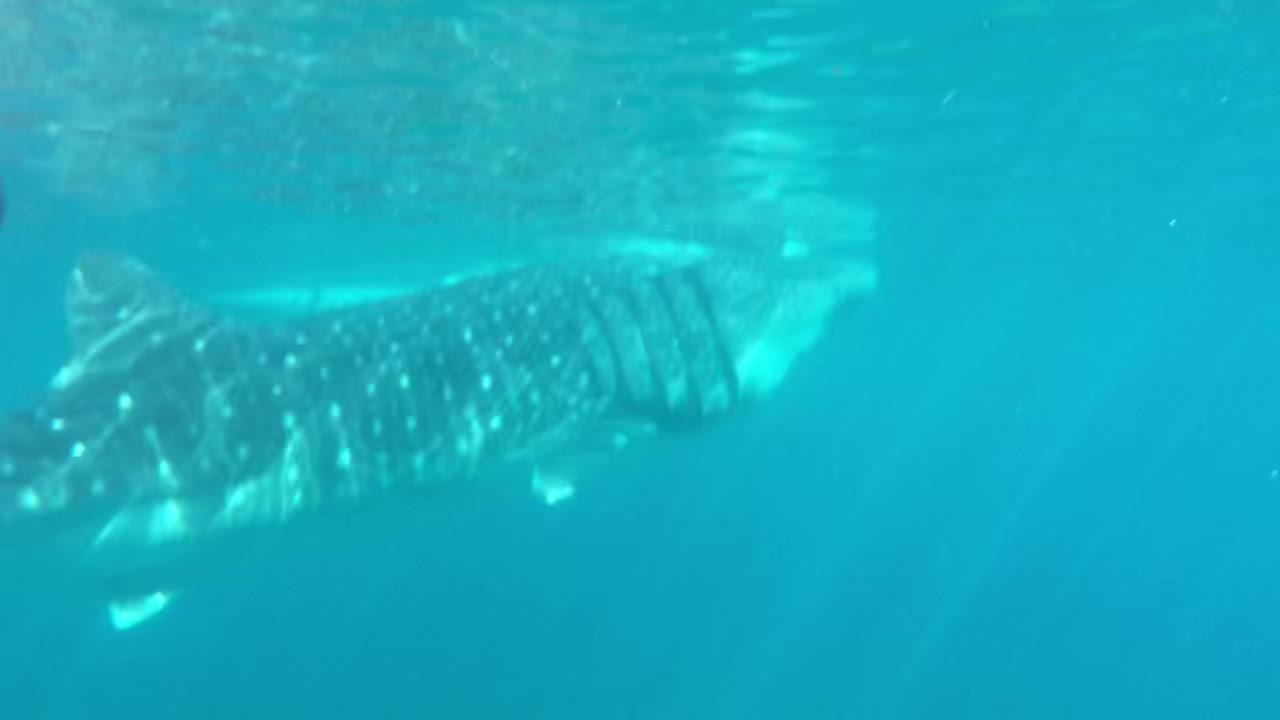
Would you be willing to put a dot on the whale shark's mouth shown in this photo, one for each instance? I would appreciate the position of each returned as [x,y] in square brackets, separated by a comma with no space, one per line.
[795,318]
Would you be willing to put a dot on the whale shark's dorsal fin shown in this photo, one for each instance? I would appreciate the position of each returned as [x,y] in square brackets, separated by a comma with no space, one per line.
[117,309]
[109,296]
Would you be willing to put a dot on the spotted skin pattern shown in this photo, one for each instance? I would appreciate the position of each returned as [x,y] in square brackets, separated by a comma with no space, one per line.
[172,422]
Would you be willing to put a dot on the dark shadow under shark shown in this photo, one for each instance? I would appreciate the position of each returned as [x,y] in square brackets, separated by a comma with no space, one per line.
[173,426]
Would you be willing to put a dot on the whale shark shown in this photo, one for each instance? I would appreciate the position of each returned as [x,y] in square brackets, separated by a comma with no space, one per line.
[175,425]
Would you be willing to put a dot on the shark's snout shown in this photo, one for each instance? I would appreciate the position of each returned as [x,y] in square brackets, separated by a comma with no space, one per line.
[774,309]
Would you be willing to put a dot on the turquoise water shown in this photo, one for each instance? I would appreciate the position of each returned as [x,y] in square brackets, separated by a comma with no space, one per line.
[1037,477]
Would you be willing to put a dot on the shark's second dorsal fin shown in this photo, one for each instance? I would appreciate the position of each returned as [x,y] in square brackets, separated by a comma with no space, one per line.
[117,308]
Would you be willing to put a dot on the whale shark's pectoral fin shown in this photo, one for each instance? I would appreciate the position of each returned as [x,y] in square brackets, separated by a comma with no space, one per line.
[553,485]
[129,612]
[555,480]
[145,553]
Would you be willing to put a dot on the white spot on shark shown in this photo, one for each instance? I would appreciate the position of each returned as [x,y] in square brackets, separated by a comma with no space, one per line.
[57,424]
[344,458]
[335,411]
[77,450]
[29,500]
[124,403]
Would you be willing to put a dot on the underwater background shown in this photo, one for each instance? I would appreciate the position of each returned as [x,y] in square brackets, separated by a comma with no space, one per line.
[1037,477]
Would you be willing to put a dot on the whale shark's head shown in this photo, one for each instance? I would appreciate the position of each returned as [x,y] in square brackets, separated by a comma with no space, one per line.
[771,310]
